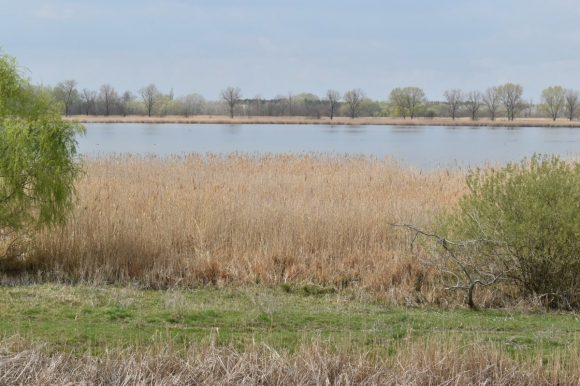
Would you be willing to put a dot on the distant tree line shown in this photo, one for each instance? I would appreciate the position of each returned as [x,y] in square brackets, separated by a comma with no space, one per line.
[407,102]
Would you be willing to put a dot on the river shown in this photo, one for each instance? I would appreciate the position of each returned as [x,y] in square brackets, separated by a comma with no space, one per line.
[422,146]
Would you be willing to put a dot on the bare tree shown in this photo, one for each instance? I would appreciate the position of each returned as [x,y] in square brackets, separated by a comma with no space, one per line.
[108,98]
[492,101]
[457,264]
[150,95]
[192,104]
[473,102]
[290,103]
[454,98]
[529,107]
[353,100]
[66,93]
[125,103]
[571,103]
[553,101]
[231,96]
[257,105]
[332,99]
[88,97]
[511,97]
[408,101]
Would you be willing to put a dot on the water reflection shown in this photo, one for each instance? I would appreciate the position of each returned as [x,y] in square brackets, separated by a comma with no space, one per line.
[232,129]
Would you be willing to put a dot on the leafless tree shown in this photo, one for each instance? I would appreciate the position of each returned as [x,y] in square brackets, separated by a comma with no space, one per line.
[553,101]
[473,102]
[125,101]
[454,98]
[529,107]
[353,100]
[192,104]
[257,105]
[571,103]
[332,99]
[66,93]
[290,103]
[108,99]
[88,97]
[231,96]
[150,96]
[492,101]
[511,97]
[456,265]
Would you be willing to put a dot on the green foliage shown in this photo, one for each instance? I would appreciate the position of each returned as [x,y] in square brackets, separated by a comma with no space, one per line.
[407,101]
[553,101]
[431,112]
[524,220]
[100,318]
[510,96]
[37,155]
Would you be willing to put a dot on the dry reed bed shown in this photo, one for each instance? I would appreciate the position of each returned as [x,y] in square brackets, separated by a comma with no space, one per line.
[240,120]
[427,363]
[245,218]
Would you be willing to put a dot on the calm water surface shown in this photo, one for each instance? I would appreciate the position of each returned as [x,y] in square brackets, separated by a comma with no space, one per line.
[422,146]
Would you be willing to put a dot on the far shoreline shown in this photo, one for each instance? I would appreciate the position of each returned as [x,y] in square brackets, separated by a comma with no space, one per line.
[287,120]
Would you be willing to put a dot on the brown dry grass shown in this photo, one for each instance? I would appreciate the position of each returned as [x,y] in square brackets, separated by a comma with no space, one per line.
[194,220]
[425,363]
[206,119]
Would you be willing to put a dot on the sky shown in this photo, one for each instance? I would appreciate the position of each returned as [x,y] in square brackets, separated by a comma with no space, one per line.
[271,47]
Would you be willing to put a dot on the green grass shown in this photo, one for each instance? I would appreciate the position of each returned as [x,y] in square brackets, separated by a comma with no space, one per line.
[75,319]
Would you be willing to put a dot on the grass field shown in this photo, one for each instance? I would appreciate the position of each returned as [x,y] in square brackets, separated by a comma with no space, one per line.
[274,335]
[216,119]
[271,269]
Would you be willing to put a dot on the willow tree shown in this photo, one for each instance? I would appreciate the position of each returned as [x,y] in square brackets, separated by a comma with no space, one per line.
[38,162]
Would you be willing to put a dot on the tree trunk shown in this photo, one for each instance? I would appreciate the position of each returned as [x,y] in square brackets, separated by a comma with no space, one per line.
[470,302]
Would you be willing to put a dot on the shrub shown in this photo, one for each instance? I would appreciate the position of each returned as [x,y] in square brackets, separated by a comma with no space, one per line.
[522,222]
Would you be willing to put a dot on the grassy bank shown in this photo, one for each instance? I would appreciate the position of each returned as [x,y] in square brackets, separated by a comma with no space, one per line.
[281,334]
[208,119]
[273,269]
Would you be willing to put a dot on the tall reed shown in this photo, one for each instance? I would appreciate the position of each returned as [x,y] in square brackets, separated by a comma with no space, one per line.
[298,120]
[196,219]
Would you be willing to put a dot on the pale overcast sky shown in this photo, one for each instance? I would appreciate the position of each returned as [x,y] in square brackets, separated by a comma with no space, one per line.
[271,47]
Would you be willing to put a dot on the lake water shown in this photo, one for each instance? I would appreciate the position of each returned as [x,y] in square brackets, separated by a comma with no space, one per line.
[422,146]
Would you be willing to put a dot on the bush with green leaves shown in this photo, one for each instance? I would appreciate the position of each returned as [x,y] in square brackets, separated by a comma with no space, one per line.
[521,223]
[38,163]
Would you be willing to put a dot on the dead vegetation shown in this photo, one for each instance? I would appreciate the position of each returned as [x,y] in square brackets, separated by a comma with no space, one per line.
[240,218]
[296,120]
[427,363]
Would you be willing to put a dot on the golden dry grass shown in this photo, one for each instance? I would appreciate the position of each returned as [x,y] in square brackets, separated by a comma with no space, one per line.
[427,363]
[206,119]
[242,218]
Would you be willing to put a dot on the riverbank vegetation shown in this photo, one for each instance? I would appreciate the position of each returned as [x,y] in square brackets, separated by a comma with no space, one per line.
[305,120]
[263,268]
[502,101]
[230,335]
[191,219]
